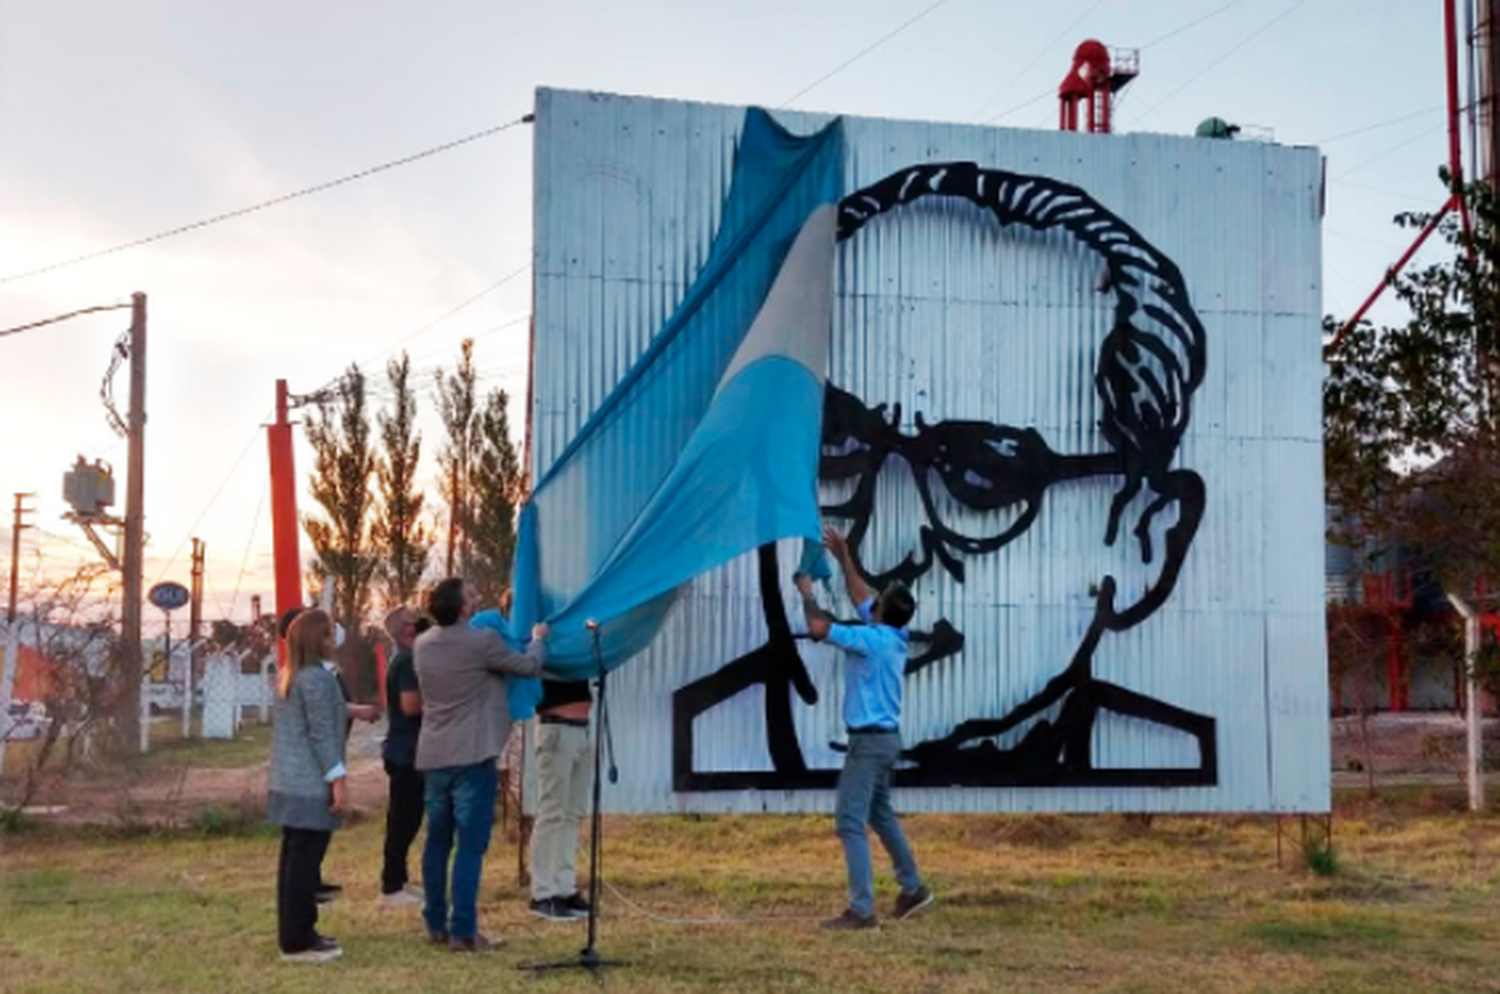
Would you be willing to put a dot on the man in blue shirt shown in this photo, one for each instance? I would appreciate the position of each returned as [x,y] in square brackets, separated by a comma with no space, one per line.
[874,670]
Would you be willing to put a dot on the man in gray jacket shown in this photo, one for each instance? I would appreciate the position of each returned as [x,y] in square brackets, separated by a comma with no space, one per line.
[465,721]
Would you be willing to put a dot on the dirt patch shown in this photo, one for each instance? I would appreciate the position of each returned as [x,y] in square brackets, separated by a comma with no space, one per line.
[168,796]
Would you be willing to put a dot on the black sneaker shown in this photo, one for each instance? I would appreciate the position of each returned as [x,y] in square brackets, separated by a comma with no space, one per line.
[913,904]
[576,903]
[851,921]
[553,909]
[328,893]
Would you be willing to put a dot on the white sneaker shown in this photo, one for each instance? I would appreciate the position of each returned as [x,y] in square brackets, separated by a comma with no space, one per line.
[400,899]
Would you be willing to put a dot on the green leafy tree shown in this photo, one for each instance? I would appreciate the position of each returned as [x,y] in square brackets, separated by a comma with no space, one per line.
[494,491]
[400,538]
[457,399]
[1411,453]
[343,462]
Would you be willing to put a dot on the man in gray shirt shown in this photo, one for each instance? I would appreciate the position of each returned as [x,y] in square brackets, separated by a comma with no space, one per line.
[465,721]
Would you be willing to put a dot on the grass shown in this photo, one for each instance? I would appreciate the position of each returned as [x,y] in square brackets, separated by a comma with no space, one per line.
[168,749]
[252,745]
[1090,904]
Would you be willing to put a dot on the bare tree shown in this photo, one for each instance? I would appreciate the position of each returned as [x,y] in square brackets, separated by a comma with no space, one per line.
[72,624]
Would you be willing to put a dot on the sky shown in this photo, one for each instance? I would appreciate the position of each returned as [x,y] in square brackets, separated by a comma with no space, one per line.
[124,120]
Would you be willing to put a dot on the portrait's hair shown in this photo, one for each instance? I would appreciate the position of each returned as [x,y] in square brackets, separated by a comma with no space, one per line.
[446,602]
[1152,359]
[308,638]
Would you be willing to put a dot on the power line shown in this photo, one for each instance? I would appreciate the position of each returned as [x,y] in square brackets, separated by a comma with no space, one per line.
[234,601]
[1191,24]
[1392,194]
[452,311]
[61,317]
[1389,152]
[1043,53]
[1153,42]
[1049,91]
[859,55]
[1221,59]
[274,201]
[254,437]
[1378,125]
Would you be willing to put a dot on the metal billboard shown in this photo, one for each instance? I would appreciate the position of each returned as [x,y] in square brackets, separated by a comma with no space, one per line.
[1116,543]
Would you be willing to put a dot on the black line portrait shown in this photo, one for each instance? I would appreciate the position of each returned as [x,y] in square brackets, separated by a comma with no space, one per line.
[1149,363]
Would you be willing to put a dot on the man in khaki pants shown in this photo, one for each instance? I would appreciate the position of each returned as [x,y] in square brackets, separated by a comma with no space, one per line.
[564,770]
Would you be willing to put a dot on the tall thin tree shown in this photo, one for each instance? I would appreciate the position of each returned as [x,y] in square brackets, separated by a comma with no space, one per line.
[494,491]
[458,406]
[400,538]
[343,462]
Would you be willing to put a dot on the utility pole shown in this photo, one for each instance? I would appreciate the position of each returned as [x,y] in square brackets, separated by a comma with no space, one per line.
[135,519]
[12,629]
[17,526]
[195,606]
[195,622]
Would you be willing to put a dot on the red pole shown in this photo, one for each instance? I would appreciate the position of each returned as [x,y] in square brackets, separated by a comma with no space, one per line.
[1455,146]
[284,525]
[1391,273]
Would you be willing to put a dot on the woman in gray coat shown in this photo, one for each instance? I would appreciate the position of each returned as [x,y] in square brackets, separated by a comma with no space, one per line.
[307,782]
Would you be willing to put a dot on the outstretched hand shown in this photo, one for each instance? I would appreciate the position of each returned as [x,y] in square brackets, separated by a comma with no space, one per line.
[836,544]
[369,713]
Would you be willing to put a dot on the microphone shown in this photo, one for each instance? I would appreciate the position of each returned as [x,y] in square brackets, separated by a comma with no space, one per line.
[591,625]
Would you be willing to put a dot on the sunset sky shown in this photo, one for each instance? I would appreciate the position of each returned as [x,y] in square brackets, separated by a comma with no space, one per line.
[122,120]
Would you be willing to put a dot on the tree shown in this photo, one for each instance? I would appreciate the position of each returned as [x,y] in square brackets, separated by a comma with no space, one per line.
[494,491]
[399,537]
[457,405]
[1411,413]
[343,464]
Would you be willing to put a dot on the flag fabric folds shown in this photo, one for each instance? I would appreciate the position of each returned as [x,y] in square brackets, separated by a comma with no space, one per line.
[708,447]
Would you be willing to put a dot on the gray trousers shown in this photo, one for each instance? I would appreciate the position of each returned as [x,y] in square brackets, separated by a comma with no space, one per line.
[864,799]
[565,778]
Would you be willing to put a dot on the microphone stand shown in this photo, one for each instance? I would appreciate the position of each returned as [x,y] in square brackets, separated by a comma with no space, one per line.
[588,957]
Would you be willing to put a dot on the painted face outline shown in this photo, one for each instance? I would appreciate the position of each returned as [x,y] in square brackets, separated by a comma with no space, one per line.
[983,466]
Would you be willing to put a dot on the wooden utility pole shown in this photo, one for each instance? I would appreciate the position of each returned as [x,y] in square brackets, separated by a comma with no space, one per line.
[17,526]
[135,519]
[12,633]
[195,606]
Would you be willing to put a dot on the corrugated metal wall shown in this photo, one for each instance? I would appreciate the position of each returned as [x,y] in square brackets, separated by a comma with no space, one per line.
[951,317]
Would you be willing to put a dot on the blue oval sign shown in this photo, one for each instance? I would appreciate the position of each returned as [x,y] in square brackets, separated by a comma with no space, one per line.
[169,596]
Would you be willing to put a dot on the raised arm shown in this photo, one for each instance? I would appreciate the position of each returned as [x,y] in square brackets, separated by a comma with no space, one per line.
[859,590]
[500,658]
[818,620]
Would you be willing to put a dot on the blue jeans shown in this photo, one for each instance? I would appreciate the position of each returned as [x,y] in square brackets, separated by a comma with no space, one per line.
[460,801]
[865,799]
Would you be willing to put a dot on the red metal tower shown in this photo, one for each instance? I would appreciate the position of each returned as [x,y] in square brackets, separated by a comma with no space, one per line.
[1096,75]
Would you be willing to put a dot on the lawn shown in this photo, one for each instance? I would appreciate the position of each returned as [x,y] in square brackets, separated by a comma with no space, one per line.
[1035,903]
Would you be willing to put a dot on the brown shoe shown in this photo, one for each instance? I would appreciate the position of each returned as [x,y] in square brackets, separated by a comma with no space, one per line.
[913,904]
[850,922]
[437,938]
[476,943]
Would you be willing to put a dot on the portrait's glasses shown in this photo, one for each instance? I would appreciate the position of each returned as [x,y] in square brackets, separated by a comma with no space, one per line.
[996,471]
